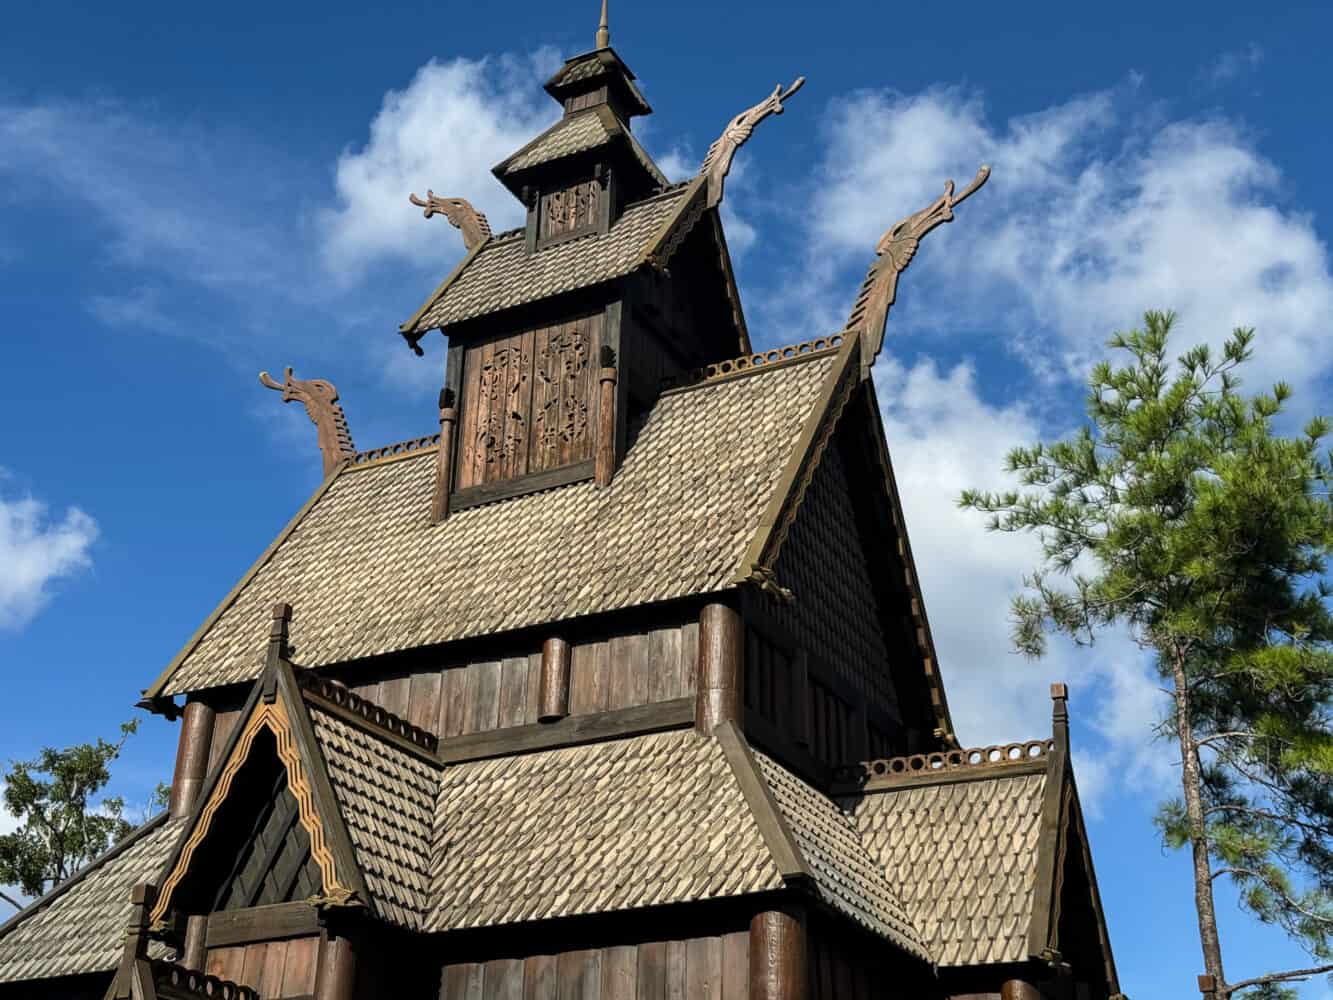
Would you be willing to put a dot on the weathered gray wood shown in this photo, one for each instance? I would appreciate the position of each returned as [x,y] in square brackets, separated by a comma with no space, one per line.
[513,691]
[260,923]
[539,978]
[676,968]
[736,965]
[423,700]
[620,972]
[453,701]
[664,665]
[652,971]
[570,731]
[703,968]
[503,979]
[482,692]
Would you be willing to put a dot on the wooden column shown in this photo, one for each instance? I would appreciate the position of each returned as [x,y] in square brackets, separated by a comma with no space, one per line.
[196,740]
[720,674]
[778,956]
[606,419]
[444,458]
[194,951]
[336,977]
[554,703]
[1018,989]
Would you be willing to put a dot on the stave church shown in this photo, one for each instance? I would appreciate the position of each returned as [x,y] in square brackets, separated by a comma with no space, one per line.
[617,684]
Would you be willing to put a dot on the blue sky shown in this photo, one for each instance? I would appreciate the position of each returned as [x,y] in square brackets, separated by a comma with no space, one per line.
[190,193]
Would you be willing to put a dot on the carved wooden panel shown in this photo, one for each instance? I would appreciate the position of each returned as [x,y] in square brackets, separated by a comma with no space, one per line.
[569,210]
[528,402]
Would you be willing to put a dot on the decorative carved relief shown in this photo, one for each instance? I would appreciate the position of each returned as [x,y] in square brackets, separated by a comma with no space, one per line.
[500,384]
[570,209]
[460,213]
[320,398]
[562,370]
[893,253]
[717,164]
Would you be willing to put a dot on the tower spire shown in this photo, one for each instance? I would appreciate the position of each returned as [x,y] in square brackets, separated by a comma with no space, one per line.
[603,32]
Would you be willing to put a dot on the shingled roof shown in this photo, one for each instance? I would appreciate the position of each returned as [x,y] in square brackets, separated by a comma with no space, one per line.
[964,857]
[79,927]
[369,573]
[578,133]
[502,274]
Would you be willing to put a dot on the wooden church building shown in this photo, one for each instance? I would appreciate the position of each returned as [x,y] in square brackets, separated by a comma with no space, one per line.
[617,686]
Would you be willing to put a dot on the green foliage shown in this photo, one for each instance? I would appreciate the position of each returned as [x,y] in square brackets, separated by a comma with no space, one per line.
[1179,513]
[60,827]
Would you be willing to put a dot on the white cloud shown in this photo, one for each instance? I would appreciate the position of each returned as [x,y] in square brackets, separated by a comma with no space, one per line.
[35,551]
[1230,65]
[1096,211]
[444,131]
[944,438]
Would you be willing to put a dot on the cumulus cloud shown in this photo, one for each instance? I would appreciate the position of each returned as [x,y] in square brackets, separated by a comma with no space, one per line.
[444,131]
[1096,211]
[943,438]
[36,550]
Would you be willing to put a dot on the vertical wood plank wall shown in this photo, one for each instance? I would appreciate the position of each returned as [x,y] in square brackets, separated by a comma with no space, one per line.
[273,968]
[528,401]
[707,968]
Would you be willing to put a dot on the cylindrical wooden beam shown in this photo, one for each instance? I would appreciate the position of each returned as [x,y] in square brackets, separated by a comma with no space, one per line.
[335,978]
[718,695]
[1017,989]
[194,951]
[778,956]
[196,740]
[554,703]
[444,459]
[606,426]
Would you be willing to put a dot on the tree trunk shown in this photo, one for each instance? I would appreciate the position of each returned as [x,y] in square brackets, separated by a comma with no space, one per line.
[1191,778]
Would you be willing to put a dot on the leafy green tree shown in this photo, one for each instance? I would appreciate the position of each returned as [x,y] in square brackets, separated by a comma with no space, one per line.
[60,827]
[1180,514]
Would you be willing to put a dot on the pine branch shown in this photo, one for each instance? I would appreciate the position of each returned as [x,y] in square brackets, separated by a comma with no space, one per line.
[1299,975]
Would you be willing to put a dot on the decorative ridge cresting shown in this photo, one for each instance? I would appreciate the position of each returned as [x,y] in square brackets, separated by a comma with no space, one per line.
[320,398]
[748,364]
[943,763]
[201,984]
[396,450]
[343,697]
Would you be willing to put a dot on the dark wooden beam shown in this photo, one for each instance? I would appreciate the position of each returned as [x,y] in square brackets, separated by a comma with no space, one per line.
[720,674]
[778,955]
[570,731]
[261,923]
[335,978]
[192,750]
[554,697]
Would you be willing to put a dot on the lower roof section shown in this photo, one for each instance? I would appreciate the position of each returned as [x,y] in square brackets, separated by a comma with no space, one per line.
[79,927]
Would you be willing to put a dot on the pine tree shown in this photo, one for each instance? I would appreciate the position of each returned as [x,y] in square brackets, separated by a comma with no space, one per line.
[1180,514]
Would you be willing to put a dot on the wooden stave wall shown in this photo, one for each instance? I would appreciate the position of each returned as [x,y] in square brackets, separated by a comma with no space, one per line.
[714,966]
[284,968]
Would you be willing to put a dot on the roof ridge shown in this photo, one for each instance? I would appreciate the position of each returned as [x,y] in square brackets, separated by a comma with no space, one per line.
[375,717]
[398,449]
[909,768]
[753,363]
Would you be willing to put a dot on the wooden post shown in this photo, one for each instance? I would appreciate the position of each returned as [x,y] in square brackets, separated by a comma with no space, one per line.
[718,693]
[444,458]
[1208,987]
[1017,989]
[194,951]
[192,750]
[606,419]
[554,704]
[336,976]
[777,956]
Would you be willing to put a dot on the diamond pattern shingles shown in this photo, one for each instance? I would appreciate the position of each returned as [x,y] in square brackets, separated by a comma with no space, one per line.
[847,877]
[504,274]
[368,573]
[387,799]
[81,928]
[963,856]
[637,822]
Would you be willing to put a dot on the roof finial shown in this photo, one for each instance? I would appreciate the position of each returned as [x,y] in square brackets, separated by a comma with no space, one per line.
[603,33]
